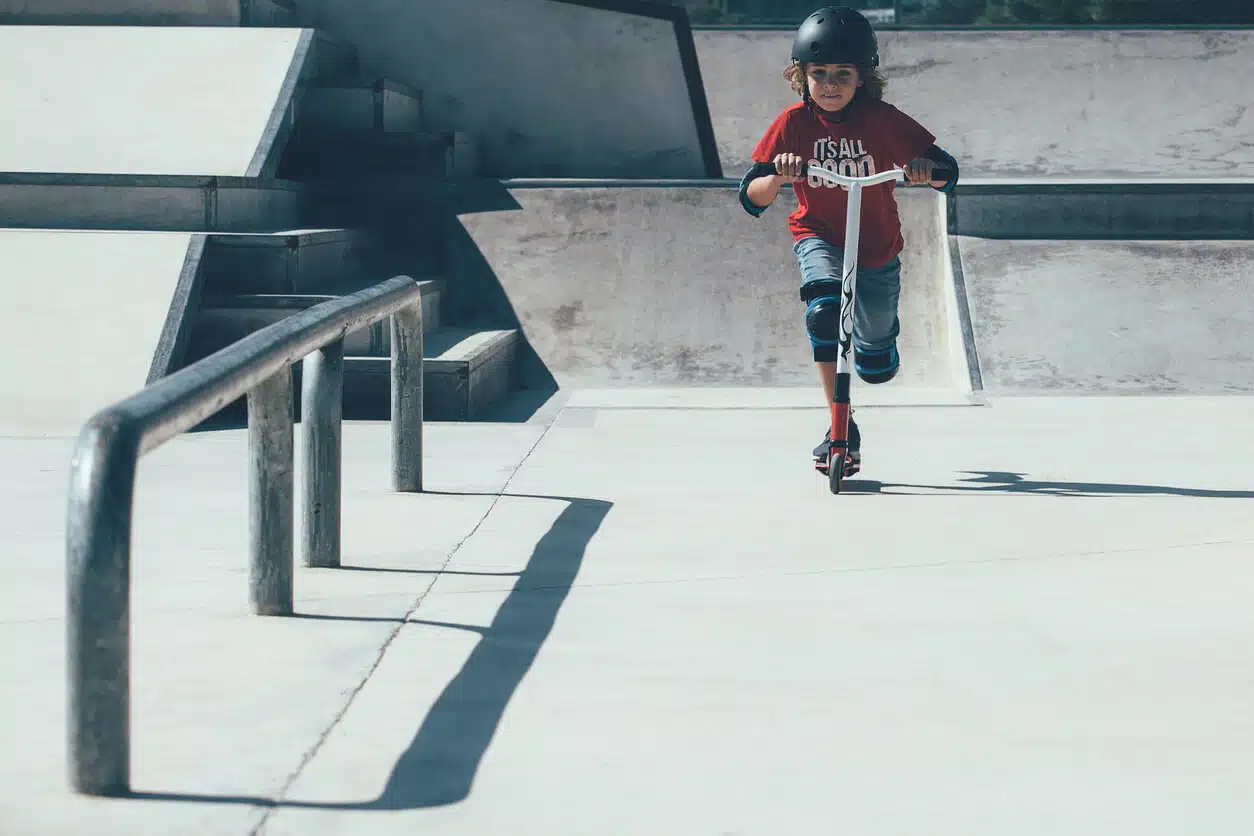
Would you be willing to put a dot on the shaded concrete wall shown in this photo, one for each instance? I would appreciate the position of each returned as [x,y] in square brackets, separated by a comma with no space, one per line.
[1026,103]
[677,285]
[550,89]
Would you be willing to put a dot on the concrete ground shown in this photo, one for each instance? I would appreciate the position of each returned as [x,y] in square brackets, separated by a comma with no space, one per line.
[644,613]
[79,342]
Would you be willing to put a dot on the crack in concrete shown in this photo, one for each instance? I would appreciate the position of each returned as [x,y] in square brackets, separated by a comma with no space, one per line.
[318,744]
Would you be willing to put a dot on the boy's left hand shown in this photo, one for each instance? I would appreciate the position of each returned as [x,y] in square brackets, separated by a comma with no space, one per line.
[919,172]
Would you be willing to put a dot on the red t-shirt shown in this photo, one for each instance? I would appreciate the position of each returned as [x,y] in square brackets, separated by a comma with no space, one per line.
[874,137]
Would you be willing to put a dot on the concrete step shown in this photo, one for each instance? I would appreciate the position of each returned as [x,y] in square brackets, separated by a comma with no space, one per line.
[347,157]
[315,261]
[467,373]
[296,262]
[222,320]
[359,105]
[148,13]
[1079,210]
[149,202]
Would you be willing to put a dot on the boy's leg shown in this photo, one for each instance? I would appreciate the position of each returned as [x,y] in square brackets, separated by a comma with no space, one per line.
[827,375]
[876,325]
[819,260]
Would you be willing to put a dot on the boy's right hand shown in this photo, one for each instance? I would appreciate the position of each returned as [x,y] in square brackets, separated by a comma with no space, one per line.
[788,167]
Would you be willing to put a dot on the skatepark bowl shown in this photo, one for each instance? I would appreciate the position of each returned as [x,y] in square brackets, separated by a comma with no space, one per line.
[379,457]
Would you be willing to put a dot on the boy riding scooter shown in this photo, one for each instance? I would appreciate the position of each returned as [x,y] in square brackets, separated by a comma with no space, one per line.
[843,124]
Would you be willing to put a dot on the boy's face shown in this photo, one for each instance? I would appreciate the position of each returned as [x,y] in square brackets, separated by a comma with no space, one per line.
[832,86]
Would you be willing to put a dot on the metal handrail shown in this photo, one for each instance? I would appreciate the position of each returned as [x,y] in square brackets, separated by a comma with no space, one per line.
[102,486]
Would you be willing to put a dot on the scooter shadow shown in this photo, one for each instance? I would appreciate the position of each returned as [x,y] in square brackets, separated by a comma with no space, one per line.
[1008,483]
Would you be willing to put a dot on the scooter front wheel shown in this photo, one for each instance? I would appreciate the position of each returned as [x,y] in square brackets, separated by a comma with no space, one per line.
[835,469]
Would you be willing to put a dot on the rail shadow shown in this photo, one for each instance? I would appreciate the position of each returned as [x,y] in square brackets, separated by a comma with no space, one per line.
[439,765]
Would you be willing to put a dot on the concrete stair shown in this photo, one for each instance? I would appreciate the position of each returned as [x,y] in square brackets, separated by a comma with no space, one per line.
[308,225]
[348,135]
[359,105]
[467,371]
[295,262]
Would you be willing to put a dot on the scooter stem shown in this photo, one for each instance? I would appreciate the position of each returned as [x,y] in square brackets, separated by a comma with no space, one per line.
[849,280]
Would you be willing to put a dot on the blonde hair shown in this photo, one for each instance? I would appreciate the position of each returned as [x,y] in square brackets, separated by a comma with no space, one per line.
[874,82]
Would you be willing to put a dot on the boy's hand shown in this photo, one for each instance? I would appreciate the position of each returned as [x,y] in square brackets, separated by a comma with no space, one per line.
[788,167]
[919,172]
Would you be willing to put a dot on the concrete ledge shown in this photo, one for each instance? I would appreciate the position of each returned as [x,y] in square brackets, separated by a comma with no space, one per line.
[1090,209]
[148,202]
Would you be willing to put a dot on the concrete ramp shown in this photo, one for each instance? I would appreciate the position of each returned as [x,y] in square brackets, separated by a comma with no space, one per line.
[1064,103]
[1112,317]
[135,100]
[675,285]
[84,319]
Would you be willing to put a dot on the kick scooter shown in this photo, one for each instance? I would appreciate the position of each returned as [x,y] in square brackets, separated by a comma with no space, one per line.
[838,465]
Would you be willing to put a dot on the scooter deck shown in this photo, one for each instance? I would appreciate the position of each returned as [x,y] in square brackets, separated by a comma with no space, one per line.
[851,468]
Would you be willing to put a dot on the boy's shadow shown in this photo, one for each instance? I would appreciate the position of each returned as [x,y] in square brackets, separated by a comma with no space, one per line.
[1004,482]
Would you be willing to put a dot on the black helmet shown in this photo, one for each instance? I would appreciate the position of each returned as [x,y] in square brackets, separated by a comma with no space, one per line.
[836,35]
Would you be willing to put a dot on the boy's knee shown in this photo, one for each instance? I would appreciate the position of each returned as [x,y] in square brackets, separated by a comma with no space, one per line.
[877,367]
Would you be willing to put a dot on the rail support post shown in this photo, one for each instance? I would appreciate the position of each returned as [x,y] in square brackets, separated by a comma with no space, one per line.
[407,417]
[271,482]
[322,412]
[98,607]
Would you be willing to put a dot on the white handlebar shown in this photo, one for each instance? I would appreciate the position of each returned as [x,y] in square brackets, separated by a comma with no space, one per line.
[842,180]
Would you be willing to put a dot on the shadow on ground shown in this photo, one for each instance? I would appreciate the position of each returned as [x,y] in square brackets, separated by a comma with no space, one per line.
[440,763]
[1004,482]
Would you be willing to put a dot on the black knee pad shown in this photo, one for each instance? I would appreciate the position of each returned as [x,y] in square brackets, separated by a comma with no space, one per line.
[880,367]
[878,377]
[823,308]
[823,320]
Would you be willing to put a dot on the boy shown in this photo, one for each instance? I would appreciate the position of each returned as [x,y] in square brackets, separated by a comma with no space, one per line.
[842,123]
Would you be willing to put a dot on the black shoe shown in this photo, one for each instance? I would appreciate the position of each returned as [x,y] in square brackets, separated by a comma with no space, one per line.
[877,367]
[853,462]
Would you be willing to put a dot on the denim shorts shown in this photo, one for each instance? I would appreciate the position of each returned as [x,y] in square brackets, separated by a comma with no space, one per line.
[878,289]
